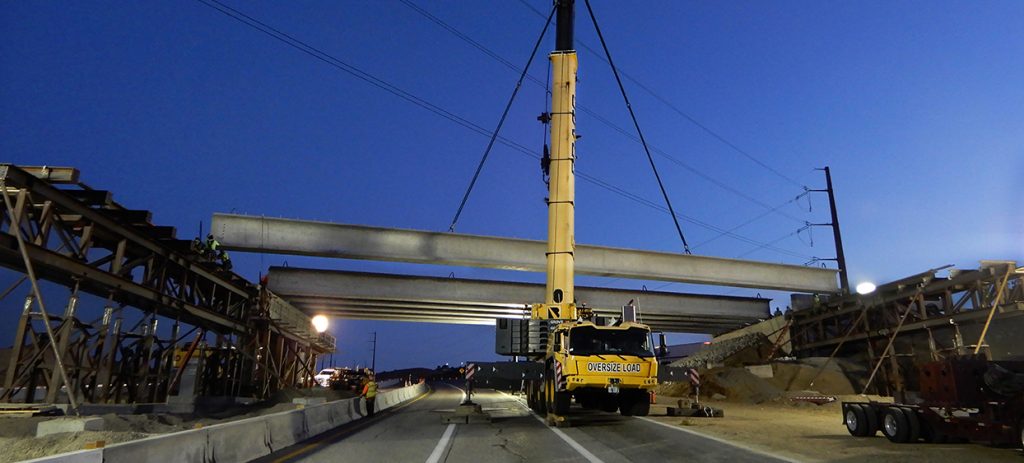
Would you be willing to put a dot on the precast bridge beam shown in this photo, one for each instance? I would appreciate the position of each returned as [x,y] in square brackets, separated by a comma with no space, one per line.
[450,300]
[322,239]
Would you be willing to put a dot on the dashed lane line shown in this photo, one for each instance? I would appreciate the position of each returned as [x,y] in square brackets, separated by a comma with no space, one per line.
[442,444]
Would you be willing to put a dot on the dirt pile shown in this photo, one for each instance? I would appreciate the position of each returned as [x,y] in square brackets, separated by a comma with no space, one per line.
[748,349]
[18,449]
[798,376]
[781,380]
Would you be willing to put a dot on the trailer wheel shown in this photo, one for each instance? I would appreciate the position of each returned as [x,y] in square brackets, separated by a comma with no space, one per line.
[915,424]
[895,425]
[872,417]
[856,420]
[1020,431]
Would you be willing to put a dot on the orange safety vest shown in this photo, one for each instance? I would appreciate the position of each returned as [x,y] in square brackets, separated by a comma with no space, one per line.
[370,389]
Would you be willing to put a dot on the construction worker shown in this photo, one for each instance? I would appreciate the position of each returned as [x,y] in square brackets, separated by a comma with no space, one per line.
[212,246]
[370,393]
[225,260]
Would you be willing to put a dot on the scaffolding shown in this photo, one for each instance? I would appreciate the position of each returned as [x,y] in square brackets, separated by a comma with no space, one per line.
[165,305]
[911,321]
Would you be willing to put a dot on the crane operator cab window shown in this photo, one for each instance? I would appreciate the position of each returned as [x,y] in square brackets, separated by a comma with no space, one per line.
[587,340]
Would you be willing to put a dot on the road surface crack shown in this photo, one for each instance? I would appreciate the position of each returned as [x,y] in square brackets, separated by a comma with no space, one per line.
[504,446]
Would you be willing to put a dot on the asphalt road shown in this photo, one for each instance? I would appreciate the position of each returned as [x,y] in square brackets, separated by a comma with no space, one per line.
[414,432]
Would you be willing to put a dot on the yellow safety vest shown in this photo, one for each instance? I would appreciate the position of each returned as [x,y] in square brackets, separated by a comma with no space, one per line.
[370,390]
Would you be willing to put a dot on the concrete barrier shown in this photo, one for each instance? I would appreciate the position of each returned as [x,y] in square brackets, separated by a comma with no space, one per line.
[242,440]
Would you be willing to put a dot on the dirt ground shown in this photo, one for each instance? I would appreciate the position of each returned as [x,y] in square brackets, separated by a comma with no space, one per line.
[812,433]
[18,441]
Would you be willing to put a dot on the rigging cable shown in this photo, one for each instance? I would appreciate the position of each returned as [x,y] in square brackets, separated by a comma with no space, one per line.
[458,120]
[584,109]
[504,114]
[686,247]
[682,113]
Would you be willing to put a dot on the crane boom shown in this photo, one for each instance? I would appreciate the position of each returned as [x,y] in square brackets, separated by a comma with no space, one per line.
[560,298]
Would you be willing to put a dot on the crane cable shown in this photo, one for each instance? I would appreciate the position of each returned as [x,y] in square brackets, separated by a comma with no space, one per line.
[504,114]
[643,141]
[375,81]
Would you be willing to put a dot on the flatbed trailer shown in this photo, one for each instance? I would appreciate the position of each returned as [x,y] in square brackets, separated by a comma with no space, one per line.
[965,399]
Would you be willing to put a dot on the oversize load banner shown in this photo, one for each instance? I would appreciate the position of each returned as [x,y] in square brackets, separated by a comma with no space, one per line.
[611,367]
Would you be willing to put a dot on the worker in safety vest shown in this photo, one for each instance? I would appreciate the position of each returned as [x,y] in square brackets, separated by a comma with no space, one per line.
[370,392]
[225,260]
[212,246]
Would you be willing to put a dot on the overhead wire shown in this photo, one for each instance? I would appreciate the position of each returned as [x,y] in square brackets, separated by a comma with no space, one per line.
[717,136]
[636,124]
[394,90]
[584,109]
[501,122]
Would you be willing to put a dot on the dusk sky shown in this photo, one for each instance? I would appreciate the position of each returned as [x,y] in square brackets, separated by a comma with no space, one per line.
[917,107]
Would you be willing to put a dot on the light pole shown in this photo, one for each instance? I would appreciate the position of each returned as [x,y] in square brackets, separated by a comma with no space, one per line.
[373,360]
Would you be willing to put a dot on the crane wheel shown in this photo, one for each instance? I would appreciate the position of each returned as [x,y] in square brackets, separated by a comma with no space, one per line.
[608,402]
[561,402]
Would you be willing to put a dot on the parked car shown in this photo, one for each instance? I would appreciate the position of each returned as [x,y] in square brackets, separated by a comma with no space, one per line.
[348,379]
[323,379]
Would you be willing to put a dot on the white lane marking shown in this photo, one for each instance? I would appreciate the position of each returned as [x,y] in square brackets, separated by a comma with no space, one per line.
[442,444]
[460,389]
[558,432]
[720,440]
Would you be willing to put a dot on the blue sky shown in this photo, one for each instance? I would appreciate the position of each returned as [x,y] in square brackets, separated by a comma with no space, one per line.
[917,107]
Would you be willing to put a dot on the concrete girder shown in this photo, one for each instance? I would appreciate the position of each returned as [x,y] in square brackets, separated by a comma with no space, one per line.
[449,300]
[322,239]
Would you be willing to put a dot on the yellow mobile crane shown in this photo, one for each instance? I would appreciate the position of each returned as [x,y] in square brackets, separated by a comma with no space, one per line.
[602,364]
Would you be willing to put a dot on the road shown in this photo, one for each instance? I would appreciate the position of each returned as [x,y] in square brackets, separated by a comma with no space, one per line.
[414,432]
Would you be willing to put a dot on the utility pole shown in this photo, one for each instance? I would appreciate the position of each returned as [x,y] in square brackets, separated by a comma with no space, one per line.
[844,277]
[373,360]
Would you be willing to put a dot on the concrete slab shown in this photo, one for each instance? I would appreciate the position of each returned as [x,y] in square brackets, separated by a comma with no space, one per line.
[59,425]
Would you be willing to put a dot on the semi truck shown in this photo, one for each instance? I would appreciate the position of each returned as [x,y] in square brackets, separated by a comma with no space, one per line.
[601,363]
[962,398]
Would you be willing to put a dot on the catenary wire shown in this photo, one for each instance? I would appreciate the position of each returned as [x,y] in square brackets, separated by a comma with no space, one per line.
[501,121]
[682,113]
[490,53]
[383,85]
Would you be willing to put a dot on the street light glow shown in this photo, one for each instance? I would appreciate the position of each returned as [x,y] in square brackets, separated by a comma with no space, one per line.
[866,287]
[320,323]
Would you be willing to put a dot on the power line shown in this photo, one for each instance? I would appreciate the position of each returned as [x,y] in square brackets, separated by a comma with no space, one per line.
[384,85]
[490,53]
[501,121]
[752,220]
[640,133]
[682,113]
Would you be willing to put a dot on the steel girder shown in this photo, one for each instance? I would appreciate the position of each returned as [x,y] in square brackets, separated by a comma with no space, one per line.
[451,300]
[321,239]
